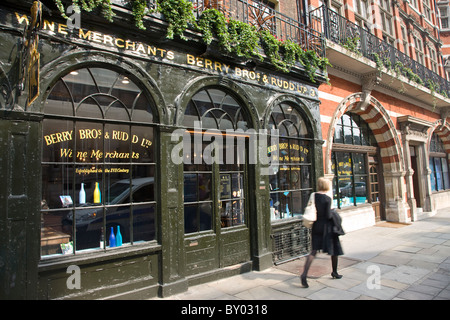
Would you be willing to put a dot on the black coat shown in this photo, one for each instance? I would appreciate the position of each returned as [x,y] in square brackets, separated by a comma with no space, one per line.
[322,235]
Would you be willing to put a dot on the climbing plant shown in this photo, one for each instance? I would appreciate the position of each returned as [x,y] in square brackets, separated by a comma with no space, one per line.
[233,36]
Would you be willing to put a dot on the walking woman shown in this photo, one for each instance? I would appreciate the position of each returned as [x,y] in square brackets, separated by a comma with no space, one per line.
[323,237]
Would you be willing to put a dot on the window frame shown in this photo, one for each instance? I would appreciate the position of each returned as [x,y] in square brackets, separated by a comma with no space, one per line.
[362,143]
[282,204]
[99,165]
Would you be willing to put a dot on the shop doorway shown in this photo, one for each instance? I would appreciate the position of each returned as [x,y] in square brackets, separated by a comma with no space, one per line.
[415,176]
[216,215]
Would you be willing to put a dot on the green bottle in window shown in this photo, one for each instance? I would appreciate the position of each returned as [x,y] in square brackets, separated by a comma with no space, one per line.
[97,194]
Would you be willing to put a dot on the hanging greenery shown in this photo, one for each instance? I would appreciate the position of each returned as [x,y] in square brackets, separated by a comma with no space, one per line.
[233,36]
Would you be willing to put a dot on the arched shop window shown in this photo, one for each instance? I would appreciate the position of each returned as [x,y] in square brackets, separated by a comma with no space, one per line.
[353,146]
[439,175]
[208,168]
[98,163]
[290,181]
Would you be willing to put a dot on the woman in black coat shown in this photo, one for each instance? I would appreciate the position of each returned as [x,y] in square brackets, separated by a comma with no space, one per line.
[323,236]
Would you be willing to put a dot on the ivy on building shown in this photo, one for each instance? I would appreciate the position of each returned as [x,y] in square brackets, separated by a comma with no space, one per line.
[233,36]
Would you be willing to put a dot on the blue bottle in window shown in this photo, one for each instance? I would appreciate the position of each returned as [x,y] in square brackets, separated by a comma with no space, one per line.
[287,210]
[118,237]
[112,238]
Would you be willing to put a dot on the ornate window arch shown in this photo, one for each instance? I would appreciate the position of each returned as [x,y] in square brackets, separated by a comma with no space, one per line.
[208,155]
[291,181]
[98,163]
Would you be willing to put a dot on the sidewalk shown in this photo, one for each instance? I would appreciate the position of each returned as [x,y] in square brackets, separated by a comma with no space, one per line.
[411,261]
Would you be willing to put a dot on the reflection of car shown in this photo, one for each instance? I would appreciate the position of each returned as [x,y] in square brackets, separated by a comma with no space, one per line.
[347,189]
[117,207]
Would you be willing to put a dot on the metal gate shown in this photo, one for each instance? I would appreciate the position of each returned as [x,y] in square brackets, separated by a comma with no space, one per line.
[290,241]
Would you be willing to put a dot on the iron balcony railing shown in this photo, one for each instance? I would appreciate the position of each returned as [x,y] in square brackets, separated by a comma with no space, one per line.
[259,15]
[355,38]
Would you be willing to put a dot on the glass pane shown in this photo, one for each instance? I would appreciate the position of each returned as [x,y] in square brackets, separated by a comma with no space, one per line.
[238,212]
[356,136]
[58,141]
[89,141]
[56,233]
[142,111]
[346,120]
[105,79]
[306,176]
[204,186]
[89,224]
[80,84]
[117,143]
[283,150]
[359,163]
[285,205]
[294,151]
[361,189]
[142,144]
[338,134]
[143,183]
[118,216]
[445,173]
[296,181]
[432,175]
[345,186]
[205,216]
[143,222]
[284,177]
[190,218]
[305,152]
[59,101]
[89,108]
[297,203]
[275,205]
[348,135]
[438,167]
[237,187]
[190,187]
[344,164]
[57,187]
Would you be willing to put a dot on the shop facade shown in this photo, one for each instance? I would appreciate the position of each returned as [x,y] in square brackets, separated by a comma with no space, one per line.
[139,166]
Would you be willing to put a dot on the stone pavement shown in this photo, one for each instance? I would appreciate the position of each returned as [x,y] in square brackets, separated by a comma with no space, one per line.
[384,262]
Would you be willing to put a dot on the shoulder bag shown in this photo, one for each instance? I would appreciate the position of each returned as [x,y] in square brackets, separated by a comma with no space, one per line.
[310,213]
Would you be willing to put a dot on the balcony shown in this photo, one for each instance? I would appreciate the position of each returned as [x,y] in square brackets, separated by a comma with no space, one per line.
[397,69]
[253,13]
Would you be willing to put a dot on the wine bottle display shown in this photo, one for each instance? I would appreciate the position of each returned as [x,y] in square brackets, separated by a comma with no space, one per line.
[97,194]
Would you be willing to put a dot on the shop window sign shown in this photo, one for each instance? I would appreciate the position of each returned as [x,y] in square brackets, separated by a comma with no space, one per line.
[98,177]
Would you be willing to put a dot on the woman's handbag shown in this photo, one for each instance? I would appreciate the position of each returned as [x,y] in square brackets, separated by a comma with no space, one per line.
[310,214]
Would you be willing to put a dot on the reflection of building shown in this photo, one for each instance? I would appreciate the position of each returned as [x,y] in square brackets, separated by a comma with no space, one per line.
[114,103]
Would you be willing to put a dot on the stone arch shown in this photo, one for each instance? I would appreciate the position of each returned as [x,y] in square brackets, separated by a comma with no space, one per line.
[383,129]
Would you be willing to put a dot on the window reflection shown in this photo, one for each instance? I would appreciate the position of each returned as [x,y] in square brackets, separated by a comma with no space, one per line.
[213,109]
[350,184]
[291,181]
[98,175]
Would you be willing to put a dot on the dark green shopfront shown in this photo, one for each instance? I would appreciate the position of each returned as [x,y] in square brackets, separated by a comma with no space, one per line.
[153,141]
